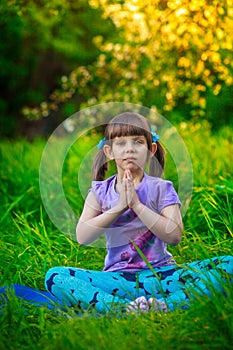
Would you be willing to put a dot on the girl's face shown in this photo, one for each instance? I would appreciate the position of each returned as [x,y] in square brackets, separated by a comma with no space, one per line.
[129,152]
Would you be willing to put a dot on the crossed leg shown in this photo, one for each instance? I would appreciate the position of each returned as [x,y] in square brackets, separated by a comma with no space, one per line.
[175,285]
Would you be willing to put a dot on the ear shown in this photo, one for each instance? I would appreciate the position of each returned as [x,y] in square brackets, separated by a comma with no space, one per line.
[108,152]
[153,149]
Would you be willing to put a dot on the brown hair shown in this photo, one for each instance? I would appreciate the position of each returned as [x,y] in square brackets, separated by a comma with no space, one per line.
[128,124]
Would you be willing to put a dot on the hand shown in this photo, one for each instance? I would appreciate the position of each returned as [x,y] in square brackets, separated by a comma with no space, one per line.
[127,192]
[122,190]
[131,194]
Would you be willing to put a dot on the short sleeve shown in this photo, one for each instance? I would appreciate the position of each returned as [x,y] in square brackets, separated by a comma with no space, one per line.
[167,195]
[98,190]
[104,192]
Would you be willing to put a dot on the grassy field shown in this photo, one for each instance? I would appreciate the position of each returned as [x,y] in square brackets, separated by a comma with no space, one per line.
[31,244]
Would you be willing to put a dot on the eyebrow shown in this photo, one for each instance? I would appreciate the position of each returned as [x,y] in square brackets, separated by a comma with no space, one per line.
[140,137]
[132,136]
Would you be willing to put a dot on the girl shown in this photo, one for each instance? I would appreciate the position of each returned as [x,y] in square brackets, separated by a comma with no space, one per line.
[139,214]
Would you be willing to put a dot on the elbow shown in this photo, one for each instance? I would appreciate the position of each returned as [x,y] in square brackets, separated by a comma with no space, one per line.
[80,240]
[79,237]
[176,236]
[175,241]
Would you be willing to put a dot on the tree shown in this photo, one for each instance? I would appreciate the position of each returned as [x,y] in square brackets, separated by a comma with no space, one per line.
[40,41]
[168,55]
[172,52]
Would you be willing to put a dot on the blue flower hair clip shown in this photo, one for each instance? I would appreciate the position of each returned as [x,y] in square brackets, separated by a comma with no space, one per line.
[155,137]
[101,143]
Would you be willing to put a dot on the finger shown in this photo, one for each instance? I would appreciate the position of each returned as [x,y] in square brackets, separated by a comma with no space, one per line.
[126,191]
[130,192]
[126,175]
[129,175]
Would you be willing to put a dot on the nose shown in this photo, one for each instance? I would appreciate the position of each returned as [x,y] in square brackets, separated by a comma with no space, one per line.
[130,147]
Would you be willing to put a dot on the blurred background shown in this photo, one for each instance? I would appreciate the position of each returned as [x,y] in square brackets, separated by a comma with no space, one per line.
[60,56]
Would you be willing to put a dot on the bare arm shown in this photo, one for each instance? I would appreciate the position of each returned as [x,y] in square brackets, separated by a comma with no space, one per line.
[93,222]
[167,226]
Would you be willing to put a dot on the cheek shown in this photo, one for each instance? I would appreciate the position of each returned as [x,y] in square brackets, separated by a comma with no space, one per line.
[115,156]
[116,153]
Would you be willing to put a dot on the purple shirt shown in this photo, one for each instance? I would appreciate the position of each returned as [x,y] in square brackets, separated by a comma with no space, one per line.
[156,194]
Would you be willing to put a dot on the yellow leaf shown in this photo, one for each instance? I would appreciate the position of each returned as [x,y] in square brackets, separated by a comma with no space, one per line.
[200,67]
[184,62]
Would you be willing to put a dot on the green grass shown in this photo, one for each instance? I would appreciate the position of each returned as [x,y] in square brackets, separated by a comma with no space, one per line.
[31,244]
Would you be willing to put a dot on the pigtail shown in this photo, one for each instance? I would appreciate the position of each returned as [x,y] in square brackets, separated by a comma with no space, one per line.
[157,162]
[100,166]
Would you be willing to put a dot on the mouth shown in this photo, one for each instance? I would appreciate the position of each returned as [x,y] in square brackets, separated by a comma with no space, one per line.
[130,159]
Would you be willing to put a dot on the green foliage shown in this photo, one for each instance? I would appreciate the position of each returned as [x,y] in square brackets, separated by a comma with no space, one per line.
[31,244]
[60,56]
[40,41]
[172,56]
[207,325]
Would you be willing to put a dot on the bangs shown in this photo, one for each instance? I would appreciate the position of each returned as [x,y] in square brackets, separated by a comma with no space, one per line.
[129,124]
[122,129]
